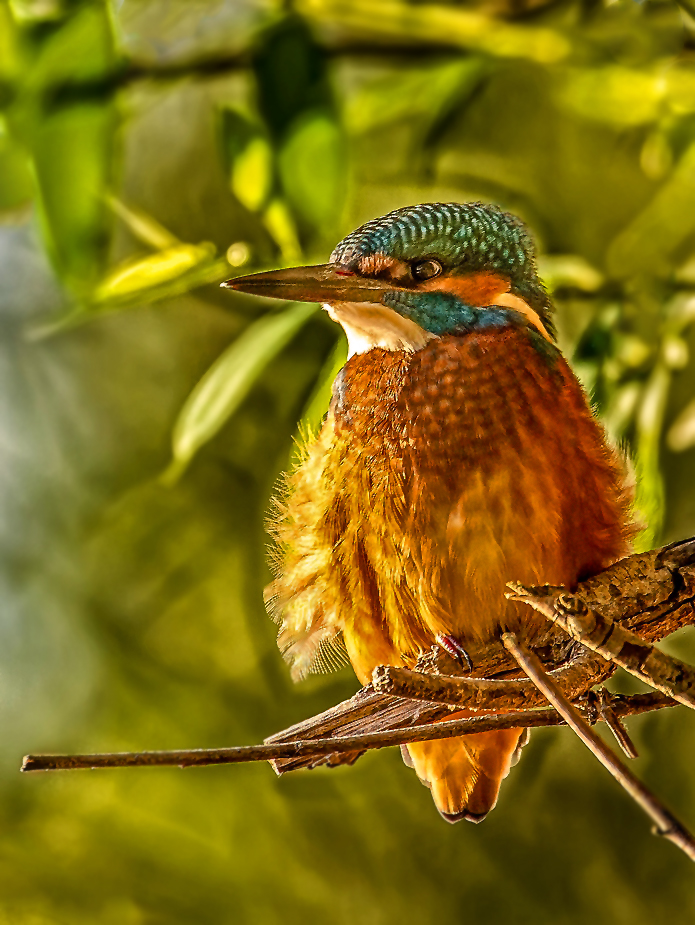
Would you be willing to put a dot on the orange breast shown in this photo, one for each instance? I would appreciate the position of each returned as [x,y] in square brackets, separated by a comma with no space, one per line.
[438,477]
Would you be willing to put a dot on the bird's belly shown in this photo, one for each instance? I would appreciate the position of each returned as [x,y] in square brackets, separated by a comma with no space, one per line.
[436,552]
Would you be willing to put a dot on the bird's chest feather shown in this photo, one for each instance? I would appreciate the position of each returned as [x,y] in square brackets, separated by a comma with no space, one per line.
[440,475]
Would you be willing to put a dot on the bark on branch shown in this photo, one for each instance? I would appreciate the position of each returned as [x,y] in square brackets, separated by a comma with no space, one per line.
[651,594]
[338,745]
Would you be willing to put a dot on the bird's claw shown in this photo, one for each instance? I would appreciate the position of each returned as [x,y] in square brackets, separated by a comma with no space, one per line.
[453,647]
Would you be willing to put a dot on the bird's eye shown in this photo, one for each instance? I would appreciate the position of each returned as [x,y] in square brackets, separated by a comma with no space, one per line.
[426,269]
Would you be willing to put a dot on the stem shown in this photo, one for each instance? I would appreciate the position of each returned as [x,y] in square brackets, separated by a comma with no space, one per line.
[200,757]
[614,642]
[666,823]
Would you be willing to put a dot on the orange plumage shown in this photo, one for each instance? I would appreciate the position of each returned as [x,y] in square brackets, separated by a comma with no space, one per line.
[459,453]
[438,476]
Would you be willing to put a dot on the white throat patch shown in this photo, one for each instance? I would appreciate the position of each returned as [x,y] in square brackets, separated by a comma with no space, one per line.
[369,324]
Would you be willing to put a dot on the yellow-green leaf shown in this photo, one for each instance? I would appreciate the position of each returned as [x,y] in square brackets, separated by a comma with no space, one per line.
[229,380]
[252,173]
[650,500]
[616,95]
[657,233]
[142,226]
[412,93]
[250,159]
[280,225]
[140,275]
[681,435]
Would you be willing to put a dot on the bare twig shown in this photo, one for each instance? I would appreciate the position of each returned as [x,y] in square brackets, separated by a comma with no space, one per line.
[650,593]
[484,695]
[666,823]
[623,706]
[607,714]
[613,642]
[266,752]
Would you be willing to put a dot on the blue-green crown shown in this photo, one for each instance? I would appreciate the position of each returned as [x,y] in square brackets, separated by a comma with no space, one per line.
[464,237]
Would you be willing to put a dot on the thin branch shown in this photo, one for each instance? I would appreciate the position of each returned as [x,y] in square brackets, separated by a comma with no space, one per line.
[620,733]
[666,823]
[623,706]
[484,695]
[651,593]
[612,641]
[266,752]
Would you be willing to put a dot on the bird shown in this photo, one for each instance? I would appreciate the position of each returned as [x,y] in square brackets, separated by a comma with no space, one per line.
[459,453]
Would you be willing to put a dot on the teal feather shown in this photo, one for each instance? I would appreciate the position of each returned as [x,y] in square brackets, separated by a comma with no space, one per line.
[465,238]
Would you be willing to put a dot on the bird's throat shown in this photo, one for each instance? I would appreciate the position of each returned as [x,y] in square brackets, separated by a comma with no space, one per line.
[368,325]
[371,324]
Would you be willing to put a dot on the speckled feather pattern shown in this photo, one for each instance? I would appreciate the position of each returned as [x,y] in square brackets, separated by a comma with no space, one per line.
[438,477]
[482,234]
[469,236]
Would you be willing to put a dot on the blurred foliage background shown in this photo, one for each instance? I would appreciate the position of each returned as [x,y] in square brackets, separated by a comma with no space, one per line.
[148,150]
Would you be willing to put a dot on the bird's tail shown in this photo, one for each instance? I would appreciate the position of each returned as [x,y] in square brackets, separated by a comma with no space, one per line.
[465,774]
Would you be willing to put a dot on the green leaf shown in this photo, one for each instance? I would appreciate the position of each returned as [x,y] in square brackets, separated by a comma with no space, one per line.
[573,270]
[10,52]
[167,287]
[252,174]
[653,239]
[319,400]
[616,95]
[229,380]
[418,93]
[16,186]
[72,155]
[138,276]
[250,159]
[280,226]
[313,168]
[681,435]
[650,496]
[142,226]
[620,409]
[81,49]
[31,12]
[436,23]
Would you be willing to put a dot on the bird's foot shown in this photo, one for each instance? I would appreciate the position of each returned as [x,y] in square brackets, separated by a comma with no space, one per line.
[453,647]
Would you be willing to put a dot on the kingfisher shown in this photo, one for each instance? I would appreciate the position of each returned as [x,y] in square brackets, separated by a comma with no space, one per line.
[459,452]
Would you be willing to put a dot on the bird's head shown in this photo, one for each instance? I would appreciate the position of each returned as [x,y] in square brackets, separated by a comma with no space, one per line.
[418,273]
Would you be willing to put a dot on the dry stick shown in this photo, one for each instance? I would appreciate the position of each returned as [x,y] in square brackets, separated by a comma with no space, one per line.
[483,694]
[245,753]
[620,733]
[375,711]
[666,823]
[622,706]
[615,643]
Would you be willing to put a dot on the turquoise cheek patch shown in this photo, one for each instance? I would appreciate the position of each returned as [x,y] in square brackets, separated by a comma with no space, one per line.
[443,313]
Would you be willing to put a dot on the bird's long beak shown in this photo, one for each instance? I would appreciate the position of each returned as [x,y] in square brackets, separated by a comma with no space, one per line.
[325,283]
